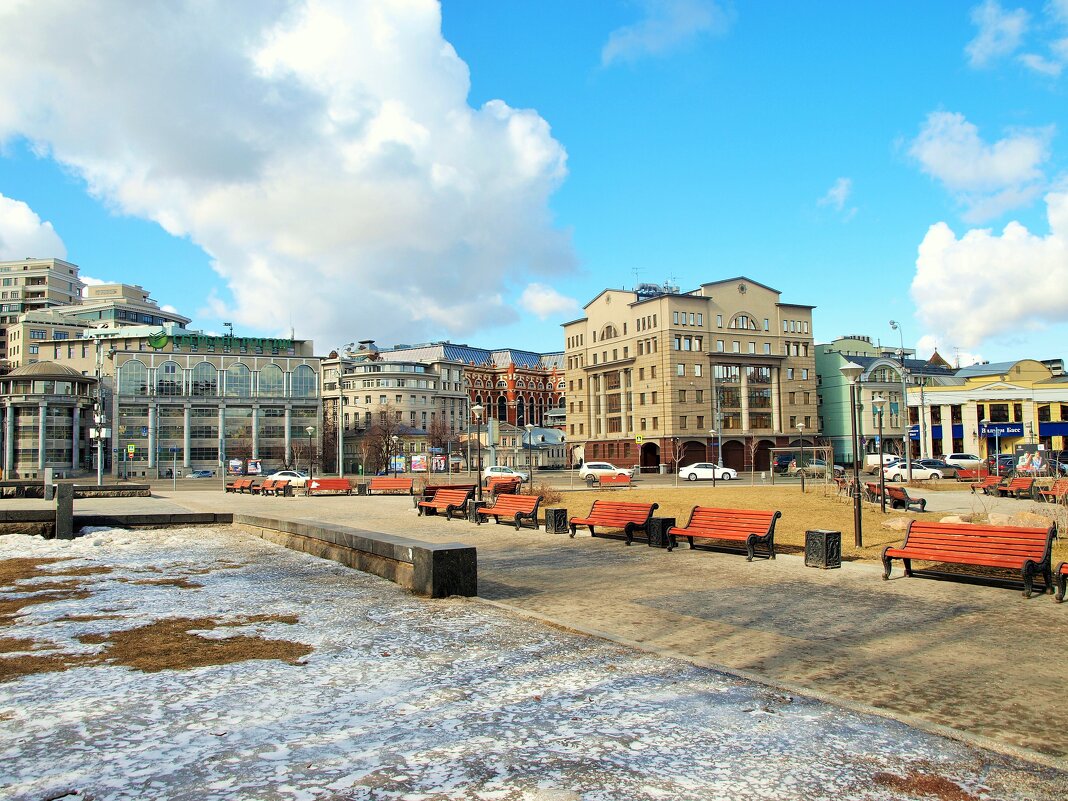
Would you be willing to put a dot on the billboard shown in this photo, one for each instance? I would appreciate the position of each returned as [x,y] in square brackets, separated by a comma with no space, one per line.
[419,463]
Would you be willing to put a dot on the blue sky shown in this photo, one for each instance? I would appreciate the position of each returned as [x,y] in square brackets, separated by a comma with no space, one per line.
[478,171]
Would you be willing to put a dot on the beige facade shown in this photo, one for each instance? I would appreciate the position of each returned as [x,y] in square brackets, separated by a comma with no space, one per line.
[651,374]
[33,285]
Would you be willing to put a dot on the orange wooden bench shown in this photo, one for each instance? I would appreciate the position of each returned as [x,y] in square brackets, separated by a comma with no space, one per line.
[342,485]
[1056,493]
[240,485]
[503,486]
[277,487]
[608,481]
[1017,488]
[871,492]
[748,526]
[265,487]
[900,499]
[430,489]
[987,484]
[630,517]
[1009,547]
[972,474]
[516,507]
[447,501]
[390,484]
[1061,577]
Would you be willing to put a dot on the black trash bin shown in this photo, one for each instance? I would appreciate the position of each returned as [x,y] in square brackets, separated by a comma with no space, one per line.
[823,548]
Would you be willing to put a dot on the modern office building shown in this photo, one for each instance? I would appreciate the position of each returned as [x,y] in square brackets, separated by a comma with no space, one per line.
[658,377]
[884,378]
[195,401]
[33,285]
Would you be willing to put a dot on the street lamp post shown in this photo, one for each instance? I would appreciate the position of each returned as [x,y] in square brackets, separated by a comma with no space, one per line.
[877,407]
[852,371]
[530,456]
[711,438]
[477,410]
[997,445]
[904,413]
[311,431]
[801,432]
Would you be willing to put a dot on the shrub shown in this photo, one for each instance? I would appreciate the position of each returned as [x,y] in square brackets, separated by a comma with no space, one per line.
[549,495]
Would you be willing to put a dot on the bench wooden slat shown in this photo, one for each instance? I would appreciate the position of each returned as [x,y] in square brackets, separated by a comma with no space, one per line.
[390,484]
[628,516]
[329,485]
[518,507]
[1011,547]
[748,526]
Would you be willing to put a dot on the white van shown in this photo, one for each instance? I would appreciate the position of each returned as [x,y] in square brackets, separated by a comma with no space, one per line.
[871,462]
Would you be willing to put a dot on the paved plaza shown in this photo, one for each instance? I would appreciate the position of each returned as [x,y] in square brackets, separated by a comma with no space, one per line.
[974,662]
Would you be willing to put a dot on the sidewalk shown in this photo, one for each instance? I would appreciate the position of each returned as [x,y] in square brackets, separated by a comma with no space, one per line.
[981,661]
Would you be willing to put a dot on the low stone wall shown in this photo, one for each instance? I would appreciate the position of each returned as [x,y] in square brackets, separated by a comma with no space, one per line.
[35,489]
[428,569]
[42,522]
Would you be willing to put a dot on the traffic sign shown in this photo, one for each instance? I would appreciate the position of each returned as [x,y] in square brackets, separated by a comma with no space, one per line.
[131,449]
[638,440]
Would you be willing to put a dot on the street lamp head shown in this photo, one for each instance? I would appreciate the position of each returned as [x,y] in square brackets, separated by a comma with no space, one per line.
[852,371]
[984,422]
[477,410]
[801,427]
[893,324]
[310,430]
[711,432]
[877,405]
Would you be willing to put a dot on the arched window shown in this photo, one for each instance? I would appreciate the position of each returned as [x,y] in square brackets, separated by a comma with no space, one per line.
[205,380]
[304,383]
[169,379]
[272,382]
[609,332]
[502,408]
[133,378]
[238,381]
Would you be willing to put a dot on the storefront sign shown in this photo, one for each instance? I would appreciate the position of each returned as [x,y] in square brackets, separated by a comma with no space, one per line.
[159,340]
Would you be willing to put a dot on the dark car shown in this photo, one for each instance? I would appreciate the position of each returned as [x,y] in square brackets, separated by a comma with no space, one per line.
[782,462]
[1005,466]
[947,470]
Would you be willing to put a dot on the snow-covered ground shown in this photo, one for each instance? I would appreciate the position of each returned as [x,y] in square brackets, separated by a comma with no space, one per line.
[405,698]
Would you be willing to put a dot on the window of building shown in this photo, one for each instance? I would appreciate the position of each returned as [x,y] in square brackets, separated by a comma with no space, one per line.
[700,319]
[804,374]
[737,346]
[790,373]
[719,345]
[682,396]
[680,369]
[656,423]
[682,422]
[675,318]
[272,382]
[305,382]
[238,381]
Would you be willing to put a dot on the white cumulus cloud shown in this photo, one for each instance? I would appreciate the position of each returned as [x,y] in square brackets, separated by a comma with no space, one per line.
[984,286]
[545,302]
[23,235]
[987,179]
[1000,32]
[667,25]
[322,152]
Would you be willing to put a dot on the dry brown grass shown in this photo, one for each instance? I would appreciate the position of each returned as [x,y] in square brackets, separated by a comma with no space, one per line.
[181,582]
[820,507]
[164,645]
[169,645]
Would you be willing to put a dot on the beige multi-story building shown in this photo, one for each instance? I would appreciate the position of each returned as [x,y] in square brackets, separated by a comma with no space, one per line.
[658,377]
[33,285]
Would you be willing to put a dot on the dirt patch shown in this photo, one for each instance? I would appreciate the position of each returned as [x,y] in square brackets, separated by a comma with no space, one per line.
[88,618]
[14,667]
[289,620]
[925,784]
[10,607]
[169,645]
[11,645]
[12,570]
[181,581]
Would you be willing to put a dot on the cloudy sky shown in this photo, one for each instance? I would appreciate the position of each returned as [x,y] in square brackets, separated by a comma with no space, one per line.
[405,170]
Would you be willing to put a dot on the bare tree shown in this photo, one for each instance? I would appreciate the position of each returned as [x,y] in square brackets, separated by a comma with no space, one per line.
[379,437]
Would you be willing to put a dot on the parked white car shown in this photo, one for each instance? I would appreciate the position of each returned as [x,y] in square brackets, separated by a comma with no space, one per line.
[706,471]
[898,472]
[598,469]
[503,471]
[967,461]
[296,478]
